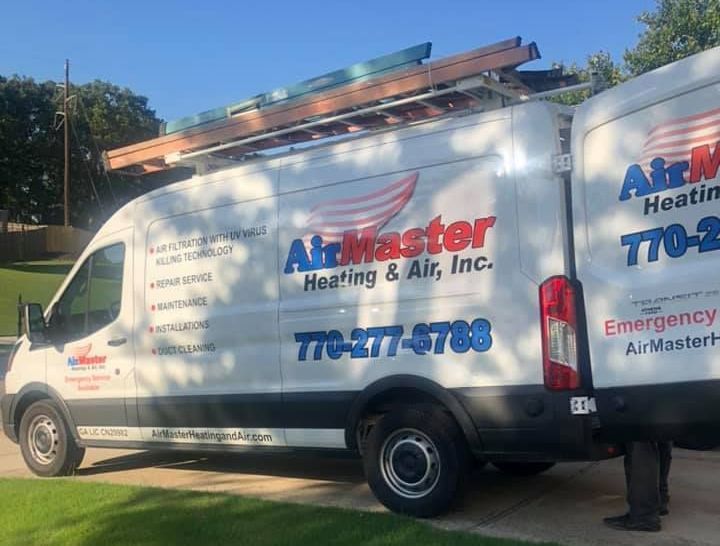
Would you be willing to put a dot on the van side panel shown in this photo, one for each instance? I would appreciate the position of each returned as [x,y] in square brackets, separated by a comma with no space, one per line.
[647,197]
[207,313]
[422,255]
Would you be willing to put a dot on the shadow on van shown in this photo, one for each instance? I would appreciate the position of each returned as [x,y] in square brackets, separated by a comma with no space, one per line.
[342,467]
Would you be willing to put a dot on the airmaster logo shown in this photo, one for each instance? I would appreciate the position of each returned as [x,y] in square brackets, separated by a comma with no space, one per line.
[346,232]
[80,356]
[679,153]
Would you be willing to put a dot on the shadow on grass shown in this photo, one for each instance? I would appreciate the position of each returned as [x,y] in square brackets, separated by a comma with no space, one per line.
[92,514]
[50,268]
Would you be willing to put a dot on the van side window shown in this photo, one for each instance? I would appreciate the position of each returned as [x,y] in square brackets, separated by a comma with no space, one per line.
[92,299]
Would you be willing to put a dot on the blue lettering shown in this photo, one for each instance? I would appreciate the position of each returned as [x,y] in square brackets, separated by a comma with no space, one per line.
[635,179]
[662,178]
[297,256]
[675,174]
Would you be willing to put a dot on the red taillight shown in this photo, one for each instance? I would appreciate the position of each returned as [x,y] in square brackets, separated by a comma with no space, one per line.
[559,324]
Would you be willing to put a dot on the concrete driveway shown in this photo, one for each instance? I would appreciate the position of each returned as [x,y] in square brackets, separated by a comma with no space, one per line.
[565,504]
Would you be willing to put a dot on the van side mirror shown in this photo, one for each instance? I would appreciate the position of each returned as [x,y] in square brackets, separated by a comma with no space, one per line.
[34,322]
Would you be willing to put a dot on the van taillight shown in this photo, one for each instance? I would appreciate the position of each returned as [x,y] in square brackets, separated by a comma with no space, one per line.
[559,324]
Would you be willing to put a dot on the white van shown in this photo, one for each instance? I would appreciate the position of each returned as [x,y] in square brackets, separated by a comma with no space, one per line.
[422,296]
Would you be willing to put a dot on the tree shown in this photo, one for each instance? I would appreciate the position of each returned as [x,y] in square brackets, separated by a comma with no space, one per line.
[29,144]
[600,63]
[675,30]
[103,116]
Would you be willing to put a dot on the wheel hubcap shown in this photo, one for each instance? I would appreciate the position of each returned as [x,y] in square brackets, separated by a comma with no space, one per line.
[43,439]
[410,463]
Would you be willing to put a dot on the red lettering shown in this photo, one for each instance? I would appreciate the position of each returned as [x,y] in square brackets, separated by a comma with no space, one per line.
[457,236]
[610,327]
[704,166]
[388,247]
[413,244]
[434,230]
[358,246]
[481,227]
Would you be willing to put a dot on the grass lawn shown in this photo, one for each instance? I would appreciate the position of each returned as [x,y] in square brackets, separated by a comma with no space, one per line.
[36,281]
[68,512]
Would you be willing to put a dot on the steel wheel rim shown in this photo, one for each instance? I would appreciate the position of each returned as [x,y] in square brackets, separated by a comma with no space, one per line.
[410,463]
[43,439]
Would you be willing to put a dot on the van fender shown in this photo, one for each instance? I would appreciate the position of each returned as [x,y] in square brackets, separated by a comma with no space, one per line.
[410,383]
[48,392]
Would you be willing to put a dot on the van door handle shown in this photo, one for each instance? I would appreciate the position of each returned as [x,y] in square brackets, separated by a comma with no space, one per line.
[117,342]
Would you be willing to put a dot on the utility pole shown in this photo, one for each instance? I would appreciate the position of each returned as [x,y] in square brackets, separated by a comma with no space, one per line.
[66,120]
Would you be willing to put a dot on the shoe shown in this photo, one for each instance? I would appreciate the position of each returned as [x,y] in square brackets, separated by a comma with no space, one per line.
[664,511]
[624,523]
[615,519]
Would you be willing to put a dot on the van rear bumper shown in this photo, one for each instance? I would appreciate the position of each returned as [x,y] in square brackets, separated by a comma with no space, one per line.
[8,424]
[672,411]
[533,424]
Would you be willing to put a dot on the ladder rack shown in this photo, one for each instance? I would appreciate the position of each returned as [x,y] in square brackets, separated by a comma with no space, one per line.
[483,78]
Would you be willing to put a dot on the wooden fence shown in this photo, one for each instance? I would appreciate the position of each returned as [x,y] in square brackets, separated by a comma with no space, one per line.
[23,242]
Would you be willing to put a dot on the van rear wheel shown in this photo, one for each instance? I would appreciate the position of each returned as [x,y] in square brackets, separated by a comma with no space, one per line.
[522,468]
[46,443]
[416,460]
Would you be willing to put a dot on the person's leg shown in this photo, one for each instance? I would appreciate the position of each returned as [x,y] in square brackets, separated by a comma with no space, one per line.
[665,461]
[643,496]
[627,463]
[644,491]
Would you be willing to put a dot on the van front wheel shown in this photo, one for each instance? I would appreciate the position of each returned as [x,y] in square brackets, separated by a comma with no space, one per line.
[416,460]
[46,443]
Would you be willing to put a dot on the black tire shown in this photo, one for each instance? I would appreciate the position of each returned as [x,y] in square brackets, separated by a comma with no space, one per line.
[522,468]
[46,443]
[416,460]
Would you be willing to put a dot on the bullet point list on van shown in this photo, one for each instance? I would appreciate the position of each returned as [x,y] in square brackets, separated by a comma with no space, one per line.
[154,352]
[193,255]
[152,308]
[151,329]
[183,280]
[207,240]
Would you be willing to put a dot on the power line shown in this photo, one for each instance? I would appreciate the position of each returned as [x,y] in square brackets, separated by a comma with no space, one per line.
[95,144]
[87,167]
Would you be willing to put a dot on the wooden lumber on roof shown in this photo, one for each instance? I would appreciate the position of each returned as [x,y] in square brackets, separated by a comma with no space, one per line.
[148,155]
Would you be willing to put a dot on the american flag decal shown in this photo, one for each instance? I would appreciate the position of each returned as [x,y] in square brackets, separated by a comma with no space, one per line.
[673,140]
[330,219]
[82,351]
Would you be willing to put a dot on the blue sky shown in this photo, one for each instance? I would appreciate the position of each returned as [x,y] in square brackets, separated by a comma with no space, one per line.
[188,56]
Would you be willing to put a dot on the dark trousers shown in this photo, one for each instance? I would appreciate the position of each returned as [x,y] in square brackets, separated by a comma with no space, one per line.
[647,467]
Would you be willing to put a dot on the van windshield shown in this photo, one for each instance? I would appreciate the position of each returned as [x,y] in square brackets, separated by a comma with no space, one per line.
[92,300]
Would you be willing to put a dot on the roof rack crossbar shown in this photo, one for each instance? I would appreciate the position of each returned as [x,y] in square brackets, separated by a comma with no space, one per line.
[386,100]
[174,158]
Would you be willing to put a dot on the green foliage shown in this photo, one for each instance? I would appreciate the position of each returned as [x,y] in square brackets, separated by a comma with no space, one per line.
[103,116]
[62,512]
[600,63]
[30,148]
[675,30]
